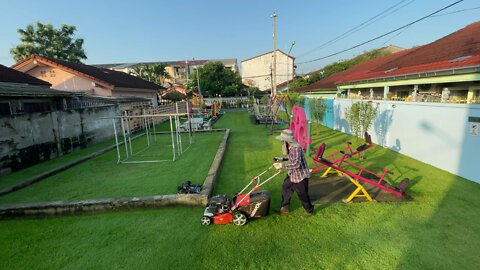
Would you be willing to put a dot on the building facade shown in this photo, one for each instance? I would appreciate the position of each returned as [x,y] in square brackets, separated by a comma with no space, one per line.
[257,71]
[75,77]
[179,71]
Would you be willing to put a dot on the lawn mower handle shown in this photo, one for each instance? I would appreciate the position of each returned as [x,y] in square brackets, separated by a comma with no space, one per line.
[255,187]
[255,179]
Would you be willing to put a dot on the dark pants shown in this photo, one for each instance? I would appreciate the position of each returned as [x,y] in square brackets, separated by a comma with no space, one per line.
[302,191]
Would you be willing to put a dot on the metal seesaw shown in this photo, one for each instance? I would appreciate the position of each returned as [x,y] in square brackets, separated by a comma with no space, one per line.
[363,175]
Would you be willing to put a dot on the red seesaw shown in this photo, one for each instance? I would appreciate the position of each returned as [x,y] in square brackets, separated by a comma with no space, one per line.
[377,180]
[340,155]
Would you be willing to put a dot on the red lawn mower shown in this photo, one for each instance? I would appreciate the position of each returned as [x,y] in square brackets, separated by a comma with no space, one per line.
[222,209]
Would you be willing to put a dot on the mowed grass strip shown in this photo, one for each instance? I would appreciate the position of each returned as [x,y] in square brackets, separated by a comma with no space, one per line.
[24,174]
[438,230]
[101,177]
[21,175]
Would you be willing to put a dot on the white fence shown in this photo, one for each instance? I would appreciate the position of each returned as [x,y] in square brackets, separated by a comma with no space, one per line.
[443,135]
[228,102]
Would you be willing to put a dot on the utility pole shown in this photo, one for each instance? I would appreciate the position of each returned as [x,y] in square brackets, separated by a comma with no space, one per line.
[288,67]
[198,84]
[274,88]
[186,69]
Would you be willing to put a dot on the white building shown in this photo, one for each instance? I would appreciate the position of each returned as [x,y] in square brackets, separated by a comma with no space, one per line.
[257,71]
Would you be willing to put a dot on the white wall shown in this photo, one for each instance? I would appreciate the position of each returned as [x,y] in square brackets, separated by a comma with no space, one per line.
[435,133]
[256,71]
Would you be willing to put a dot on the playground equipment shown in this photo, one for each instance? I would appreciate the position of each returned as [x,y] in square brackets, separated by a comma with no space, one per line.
[150,134]
[339,155]
[299,126]
[222,209]
[362,175]
[280,111]
[262,113]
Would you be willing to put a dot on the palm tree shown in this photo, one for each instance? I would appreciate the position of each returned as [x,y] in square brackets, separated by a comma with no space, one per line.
[155,73]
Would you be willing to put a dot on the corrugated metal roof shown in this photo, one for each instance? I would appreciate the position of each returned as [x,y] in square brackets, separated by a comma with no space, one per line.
[15,76]
[29,90]
[112,77]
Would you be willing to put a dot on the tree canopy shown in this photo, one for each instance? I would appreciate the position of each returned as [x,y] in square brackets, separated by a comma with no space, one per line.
[153,73]
[45,40]
[215,79]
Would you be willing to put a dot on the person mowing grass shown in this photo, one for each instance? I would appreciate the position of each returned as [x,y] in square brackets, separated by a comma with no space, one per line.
[297,175]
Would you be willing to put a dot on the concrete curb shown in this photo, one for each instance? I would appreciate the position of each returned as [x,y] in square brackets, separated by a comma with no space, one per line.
[58,208]
[96,205]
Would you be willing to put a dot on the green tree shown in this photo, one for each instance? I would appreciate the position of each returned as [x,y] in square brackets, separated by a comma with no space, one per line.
[153,73]
[215,79]
[337,67]
[360,117]
[317,109]
[298,82]
[252,91]
[45,40]
[174,96]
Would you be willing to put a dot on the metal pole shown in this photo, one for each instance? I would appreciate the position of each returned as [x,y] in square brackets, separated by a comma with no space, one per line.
[146,128]
[129,137]
[116,140]
[189,119]
[173,140]
[124,137]
[177,127]
[154,132]
[198,85]
[179,136]
[274,89]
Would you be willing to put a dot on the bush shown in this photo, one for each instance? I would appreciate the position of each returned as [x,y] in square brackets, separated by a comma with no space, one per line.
[360,117]
[317,109]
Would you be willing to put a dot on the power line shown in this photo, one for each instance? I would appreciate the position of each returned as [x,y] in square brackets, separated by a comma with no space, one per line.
[378,37]
[438,15]
[458,11]
[359,27]
[396,35]
[266,75]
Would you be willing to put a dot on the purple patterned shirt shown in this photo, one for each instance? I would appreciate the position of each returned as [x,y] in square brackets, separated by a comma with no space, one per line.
[297,166]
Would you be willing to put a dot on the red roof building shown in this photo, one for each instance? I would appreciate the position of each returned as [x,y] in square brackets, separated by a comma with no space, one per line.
[450,64]
[75,77]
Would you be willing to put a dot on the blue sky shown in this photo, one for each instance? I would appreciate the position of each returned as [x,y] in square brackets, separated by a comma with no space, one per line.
[141,30]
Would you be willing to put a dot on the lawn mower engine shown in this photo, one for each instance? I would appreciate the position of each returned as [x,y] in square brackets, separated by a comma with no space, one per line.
[221,209]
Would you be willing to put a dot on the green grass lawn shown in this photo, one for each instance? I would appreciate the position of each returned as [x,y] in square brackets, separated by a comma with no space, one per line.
[18,176]
[101,177]
[438,230]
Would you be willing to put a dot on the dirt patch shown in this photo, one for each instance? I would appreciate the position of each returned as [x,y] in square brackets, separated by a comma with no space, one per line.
[334,189]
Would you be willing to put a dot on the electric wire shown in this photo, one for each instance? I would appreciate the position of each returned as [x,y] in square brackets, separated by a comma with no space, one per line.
[458,11]
[359,27]
[378,37]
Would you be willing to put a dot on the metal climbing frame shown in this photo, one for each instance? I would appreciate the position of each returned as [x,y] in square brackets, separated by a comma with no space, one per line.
[279,102]
[150,133]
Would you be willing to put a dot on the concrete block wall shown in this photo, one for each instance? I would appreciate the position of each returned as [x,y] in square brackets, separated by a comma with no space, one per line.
[438,134]
[30,138]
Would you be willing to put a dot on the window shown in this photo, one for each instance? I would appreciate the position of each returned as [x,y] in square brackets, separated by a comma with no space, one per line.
[5,108]
[33,107]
